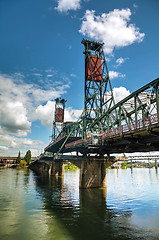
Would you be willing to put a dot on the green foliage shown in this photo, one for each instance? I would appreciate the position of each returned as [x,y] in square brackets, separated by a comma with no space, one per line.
[124,165]
[23,164]
[70,166]
[18,158]
[27,157]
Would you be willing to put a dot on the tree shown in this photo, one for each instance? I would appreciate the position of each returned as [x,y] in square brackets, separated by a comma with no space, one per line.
[124,165]
[23,164]
[27,157]
[18,158]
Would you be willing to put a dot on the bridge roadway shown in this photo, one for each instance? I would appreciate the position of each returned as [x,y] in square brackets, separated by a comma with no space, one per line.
[140,136]
[132,126]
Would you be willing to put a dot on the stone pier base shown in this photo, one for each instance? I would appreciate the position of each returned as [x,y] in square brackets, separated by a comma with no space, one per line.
[56,168]
[92,168]
[93,174]
[156,164]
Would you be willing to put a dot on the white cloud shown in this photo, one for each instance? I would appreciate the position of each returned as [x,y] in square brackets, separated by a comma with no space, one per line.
[120,93]
[45,113]
[18,101]
[66,5]
[120,61]
[3,148]
[71,115]
[73,75]
[111,28]
[113,74]
[11,145]
[135,5]
[13,118]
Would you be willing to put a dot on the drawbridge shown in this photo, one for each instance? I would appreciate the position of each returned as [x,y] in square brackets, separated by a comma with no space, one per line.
[104,127]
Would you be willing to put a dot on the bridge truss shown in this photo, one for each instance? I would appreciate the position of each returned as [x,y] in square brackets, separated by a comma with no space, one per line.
[134,111]
[104,124]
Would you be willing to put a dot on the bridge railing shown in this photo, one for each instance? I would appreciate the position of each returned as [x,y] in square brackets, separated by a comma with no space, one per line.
[56,140]
[79,142]
[140,124]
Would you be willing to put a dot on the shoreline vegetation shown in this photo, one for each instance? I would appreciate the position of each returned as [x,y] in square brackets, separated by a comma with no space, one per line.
[21,165]
[134,164]
[18,162]
[24,162]
[69,166]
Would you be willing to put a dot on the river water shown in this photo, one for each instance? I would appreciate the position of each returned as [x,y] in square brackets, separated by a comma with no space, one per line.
[43,207]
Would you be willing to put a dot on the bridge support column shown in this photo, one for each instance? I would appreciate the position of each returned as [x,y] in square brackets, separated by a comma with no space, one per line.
[57,168]
[131,164]
[156,165]
[93,174]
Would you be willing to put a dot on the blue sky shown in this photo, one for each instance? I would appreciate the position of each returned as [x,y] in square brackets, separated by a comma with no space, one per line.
[42,58]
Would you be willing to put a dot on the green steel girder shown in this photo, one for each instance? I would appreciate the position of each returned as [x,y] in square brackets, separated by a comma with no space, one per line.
[98,95]
[134,114]
[111,120]
[96,92]
[100,111]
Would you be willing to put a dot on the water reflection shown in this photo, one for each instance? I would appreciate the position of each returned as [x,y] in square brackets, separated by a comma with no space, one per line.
[42,207]
[86,219]
[26,178]
[88,214]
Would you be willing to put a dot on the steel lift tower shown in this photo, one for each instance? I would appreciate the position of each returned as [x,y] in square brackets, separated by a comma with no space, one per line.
[98,91]
[58,117]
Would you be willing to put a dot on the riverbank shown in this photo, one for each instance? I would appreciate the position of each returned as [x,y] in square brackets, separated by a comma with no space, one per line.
[10,165]
[70,166]
[22,164]
[134,164]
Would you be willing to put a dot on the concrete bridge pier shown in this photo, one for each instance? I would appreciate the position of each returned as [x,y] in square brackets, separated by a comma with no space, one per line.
[156,164]
[131,164]
[92,168]
[93,174]
[57,168]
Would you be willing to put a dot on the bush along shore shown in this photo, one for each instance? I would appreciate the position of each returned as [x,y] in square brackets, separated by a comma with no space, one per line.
[134,164]
[17,163]
[70,166]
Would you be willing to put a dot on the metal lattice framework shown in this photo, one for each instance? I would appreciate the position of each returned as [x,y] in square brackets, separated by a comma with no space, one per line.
[137,106]
[102,118]
[58,121]
[98,91]
[100,111]
[135,128]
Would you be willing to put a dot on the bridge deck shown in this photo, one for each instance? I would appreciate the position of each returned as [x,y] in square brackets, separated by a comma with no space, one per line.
[141,136]
[55,145]
[135,132]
